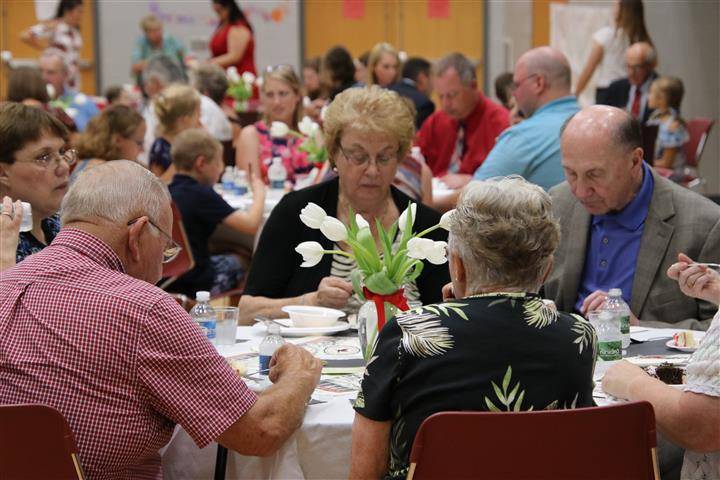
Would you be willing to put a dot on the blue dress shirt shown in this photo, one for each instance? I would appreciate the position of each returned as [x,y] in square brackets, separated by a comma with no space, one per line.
[532,147]
[80,111]
[614,244]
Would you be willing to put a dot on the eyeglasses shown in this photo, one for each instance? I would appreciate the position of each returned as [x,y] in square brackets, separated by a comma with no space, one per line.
[515,85]
[171,249]
[44,160]
[361,158]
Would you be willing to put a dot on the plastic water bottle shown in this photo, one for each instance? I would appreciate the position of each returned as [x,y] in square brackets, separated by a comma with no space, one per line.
[204,315]
[270,343]
[277,174]
[228,179]
[609,341]
[241,184]
[620,310]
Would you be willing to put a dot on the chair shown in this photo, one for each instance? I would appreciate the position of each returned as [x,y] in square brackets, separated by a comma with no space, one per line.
[610,442]
[36,443]
[698,129]
[184,262]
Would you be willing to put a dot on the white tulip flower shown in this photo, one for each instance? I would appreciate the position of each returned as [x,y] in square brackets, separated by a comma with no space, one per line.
[419,248]
[80,99]
[312,215]
[306,126]
[312,253]
[279,130]
[437,255]
[361,222]
[445,219]
[403,216]
[259,82]
[248,77]
[233,75]
[333,229]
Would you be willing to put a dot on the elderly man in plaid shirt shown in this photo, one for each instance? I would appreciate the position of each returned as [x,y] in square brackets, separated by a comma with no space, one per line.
[83,329]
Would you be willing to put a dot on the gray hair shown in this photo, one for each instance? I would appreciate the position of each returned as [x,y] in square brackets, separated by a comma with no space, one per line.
[505,232]
[163,69]
[118,191]
[461,64]
[211,80]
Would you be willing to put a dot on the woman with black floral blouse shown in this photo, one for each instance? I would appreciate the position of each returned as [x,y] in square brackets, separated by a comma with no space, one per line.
[496,346]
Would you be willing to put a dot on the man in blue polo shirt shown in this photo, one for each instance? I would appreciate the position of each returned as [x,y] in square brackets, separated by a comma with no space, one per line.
[541,87]
[623,225]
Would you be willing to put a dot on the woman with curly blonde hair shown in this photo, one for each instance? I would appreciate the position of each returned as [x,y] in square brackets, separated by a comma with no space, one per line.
[116,134]
[367,131]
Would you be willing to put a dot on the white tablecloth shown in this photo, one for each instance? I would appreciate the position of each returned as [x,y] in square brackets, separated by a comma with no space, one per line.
[320,449]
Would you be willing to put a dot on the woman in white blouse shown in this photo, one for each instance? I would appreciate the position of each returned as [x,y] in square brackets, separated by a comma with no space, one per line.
[689,417]
[609,44]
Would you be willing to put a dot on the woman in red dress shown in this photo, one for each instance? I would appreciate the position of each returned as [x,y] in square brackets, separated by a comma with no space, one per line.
[233,42]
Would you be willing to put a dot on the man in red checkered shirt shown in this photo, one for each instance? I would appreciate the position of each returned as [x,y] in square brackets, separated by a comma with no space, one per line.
[83,329]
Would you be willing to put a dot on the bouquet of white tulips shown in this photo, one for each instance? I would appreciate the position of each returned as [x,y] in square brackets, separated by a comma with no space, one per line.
[309,130]
[382,271]
[241,87]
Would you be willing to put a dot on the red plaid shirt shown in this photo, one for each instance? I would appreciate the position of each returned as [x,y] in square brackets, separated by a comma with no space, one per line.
[116,355]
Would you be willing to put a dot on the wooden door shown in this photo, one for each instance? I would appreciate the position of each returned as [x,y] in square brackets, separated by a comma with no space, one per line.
[18,15]
[410,25]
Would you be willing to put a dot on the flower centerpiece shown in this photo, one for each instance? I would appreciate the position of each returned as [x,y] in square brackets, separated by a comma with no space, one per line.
[316,153]
[240,87]
[381,273]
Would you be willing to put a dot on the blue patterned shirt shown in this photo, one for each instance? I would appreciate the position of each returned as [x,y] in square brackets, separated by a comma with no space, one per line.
[28,244]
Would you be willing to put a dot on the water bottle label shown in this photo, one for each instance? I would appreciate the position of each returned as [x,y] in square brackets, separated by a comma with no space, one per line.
[265,364]
[610,351]
[208,329]
[228,185]
[277,184]
[625,324]
[241,189]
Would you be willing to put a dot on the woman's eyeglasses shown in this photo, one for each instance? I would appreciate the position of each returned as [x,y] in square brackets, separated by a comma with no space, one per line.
[361,158]
[171,249]
[44,160]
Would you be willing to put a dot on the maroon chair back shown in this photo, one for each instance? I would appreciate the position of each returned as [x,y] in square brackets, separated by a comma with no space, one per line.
[36,443]
[184,262]
[698,130]
[611,442]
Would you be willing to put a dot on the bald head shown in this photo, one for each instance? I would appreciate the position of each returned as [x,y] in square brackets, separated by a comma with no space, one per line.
[550,63]
[541,76]
[640,61]
[602,158]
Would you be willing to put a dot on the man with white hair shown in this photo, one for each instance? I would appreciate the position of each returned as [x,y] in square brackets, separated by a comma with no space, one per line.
[632,92]
[623,225]
[541,87]
[55,72]
[85,331]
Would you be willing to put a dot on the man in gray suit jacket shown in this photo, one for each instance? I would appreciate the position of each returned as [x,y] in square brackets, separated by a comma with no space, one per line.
[623,225]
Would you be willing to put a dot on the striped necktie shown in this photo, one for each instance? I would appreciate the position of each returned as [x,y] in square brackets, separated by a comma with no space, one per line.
[456,157]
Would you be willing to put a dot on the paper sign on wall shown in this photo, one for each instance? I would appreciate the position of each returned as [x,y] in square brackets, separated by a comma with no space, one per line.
[438,8]
[354,9]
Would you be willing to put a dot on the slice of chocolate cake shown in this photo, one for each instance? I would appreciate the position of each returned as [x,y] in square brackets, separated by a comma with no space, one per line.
[667,373]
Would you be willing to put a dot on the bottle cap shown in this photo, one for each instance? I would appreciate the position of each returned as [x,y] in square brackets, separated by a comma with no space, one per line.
[273,329]
[615,292]
[202,296]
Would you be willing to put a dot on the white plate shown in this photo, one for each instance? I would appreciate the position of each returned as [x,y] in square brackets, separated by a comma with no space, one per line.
[698,338]
[306,332]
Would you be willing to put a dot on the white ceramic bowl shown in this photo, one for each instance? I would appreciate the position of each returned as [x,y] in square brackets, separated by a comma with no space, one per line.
[305,316]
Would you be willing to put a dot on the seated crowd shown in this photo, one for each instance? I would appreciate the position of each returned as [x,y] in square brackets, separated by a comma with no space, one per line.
[552,202]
